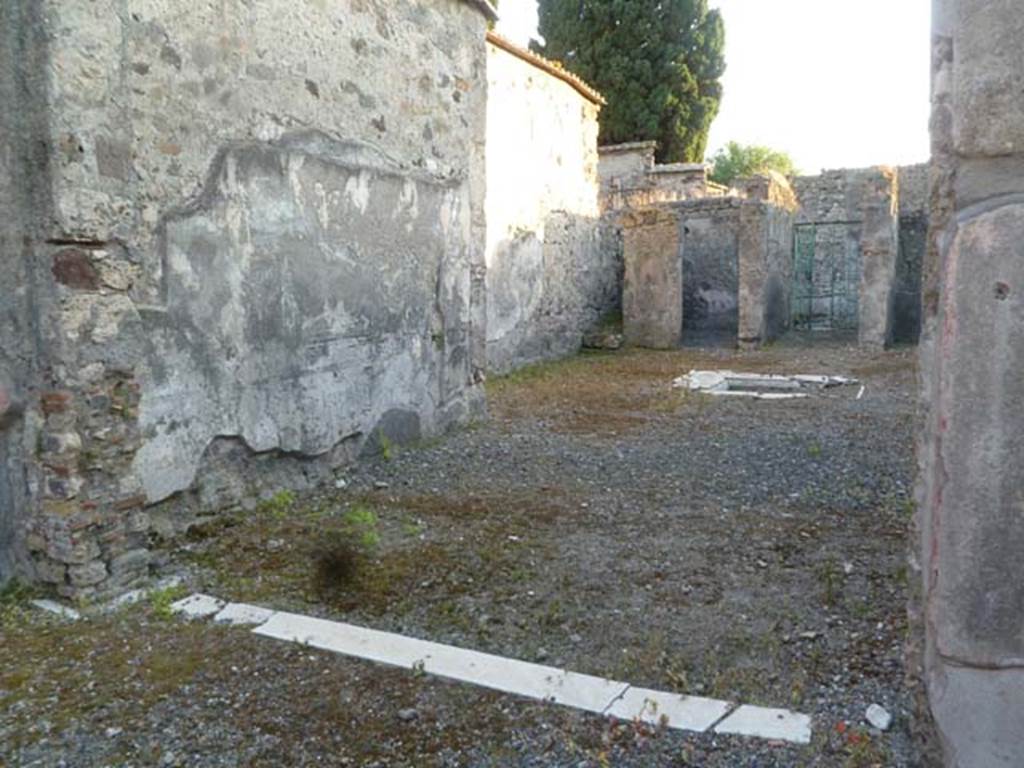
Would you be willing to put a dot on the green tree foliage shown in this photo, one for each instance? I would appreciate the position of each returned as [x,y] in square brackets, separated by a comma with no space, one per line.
[738,160]
[657,62]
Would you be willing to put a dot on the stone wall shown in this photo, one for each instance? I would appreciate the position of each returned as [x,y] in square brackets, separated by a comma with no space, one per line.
[710,252]
[631,179]
[237,255]
[968,617]
[552,270]
[652,290]
[713,271]
[765,272]
[835,203]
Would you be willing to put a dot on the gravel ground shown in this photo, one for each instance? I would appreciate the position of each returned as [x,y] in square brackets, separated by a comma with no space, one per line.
[598,521]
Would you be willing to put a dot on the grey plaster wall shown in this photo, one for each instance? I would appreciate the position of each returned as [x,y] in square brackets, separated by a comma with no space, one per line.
[710,250]
[968,639]
[266,247]
[544,295]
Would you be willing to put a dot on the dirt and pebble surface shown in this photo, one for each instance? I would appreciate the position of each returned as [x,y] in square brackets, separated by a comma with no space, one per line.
[599,521]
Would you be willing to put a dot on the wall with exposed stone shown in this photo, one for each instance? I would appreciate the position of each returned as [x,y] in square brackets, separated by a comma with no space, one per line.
[631,179]
[236,256]
[967,643]
[552,269]
[707,272]
[835,203]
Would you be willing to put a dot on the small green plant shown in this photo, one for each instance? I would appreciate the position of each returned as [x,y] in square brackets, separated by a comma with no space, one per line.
[814,450]
[341,553]
[160,600]
[387,448]
[361,523]
[278,505]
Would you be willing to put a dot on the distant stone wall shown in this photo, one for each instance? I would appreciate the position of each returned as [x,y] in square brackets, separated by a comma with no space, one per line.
[713,271]
[835,200]
[552,269]
[250,242]
[631,179]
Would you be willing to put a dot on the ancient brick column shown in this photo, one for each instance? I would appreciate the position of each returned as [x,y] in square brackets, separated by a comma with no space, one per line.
[971,495]
[879,245]
[652,292]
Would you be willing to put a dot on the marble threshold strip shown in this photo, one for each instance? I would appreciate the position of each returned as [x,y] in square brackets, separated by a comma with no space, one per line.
[557,686]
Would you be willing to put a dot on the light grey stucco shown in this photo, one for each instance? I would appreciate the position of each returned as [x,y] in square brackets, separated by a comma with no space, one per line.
[239,248]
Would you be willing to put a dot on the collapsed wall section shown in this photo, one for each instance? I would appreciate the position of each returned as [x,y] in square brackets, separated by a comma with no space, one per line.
[262,256]
[553,271]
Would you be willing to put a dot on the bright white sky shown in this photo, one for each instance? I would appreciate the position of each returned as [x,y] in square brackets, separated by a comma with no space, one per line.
[835,83]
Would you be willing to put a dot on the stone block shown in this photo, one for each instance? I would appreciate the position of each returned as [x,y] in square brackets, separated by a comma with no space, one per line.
[135,561]
[652,295]
[989,62]
[50,571]
[87,575]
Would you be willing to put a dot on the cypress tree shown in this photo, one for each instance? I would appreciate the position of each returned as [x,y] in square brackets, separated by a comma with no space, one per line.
[657,62]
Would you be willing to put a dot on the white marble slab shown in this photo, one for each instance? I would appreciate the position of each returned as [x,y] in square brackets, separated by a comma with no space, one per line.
[241,614]
[766,723]
[197,606]
[52,606]
[592,694]
[686,713]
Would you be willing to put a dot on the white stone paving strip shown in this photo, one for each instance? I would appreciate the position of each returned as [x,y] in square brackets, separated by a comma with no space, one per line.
[197,606]
[768,724]
[686,713]
[242,614]
[592,694]
[585,692]
[51,606]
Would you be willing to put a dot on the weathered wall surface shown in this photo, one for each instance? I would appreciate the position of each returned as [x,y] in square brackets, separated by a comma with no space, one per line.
[971,530]
[24,213]
[765,272]
[551,271]
[710,243]
[652,291]
[837,203]
[879,250]
[262,253]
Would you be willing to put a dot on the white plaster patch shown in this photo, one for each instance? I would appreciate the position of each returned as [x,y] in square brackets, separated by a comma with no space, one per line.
[687,713]
[242,613]
[51,606]
[197,606]
[592,694]
[767,723]
[357,190]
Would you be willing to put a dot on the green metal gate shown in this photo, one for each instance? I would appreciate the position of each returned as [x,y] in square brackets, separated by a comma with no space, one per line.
[826,275]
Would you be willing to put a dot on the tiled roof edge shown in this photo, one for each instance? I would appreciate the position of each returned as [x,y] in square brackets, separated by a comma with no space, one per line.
[547,66]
